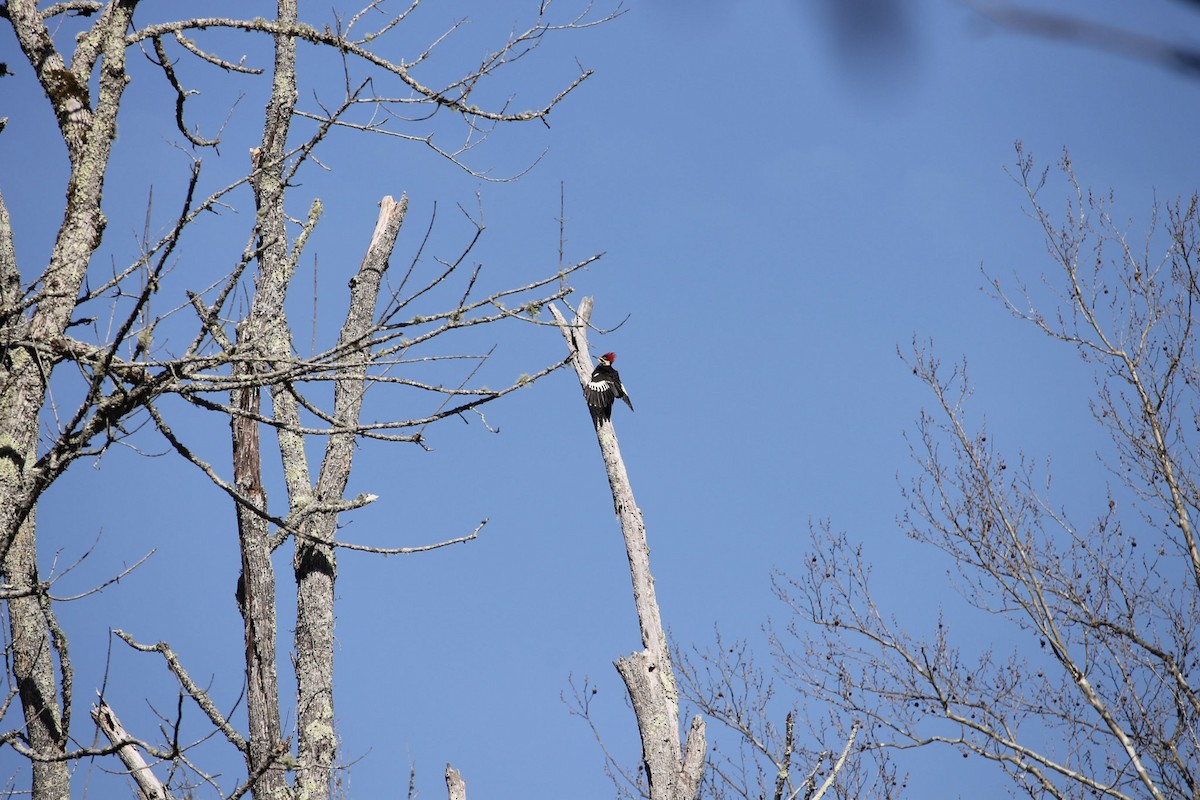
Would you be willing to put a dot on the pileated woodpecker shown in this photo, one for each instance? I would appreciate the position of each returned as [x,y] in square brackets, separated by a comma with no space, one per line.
[605,387]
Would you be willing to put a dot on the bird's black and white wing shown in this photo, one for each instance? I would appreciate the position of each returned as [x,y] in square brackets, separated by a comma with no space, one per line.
[603,389]
[600,393]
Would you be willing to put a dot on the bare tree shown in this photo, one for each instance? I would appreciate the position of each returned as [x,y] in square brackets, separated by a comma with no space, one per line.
[806,758]
[111,382]
[1097,696]
[671,766]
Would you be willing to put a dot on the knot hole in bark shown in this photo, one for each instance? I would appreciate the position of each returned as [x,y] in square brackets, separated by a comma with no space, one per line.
[312,559]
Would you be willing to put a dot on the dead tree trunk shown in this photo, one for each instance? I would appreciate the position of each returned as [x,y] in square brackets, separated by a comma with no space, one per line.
[314,561]
[264,336]
[86,117]
[673,768]
[256,599]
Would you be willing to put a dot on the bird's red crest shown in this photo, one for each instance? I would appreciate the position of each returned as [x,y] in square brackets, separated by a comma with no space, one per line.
[609,357]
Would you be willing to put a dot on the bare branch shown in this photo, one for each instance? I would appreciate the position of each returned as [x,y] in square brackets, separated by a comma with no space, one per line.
[1102,612]
[307,33]
[186,683]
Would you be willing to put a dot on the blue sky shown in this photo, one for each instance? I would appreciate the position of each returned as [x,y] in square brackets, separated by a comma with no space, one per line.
[779,211]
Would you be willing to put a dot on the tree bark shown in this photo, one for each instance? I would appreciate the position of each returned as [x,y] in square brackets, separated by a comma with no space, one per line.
[33,667]
[256,599]
[456,787]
